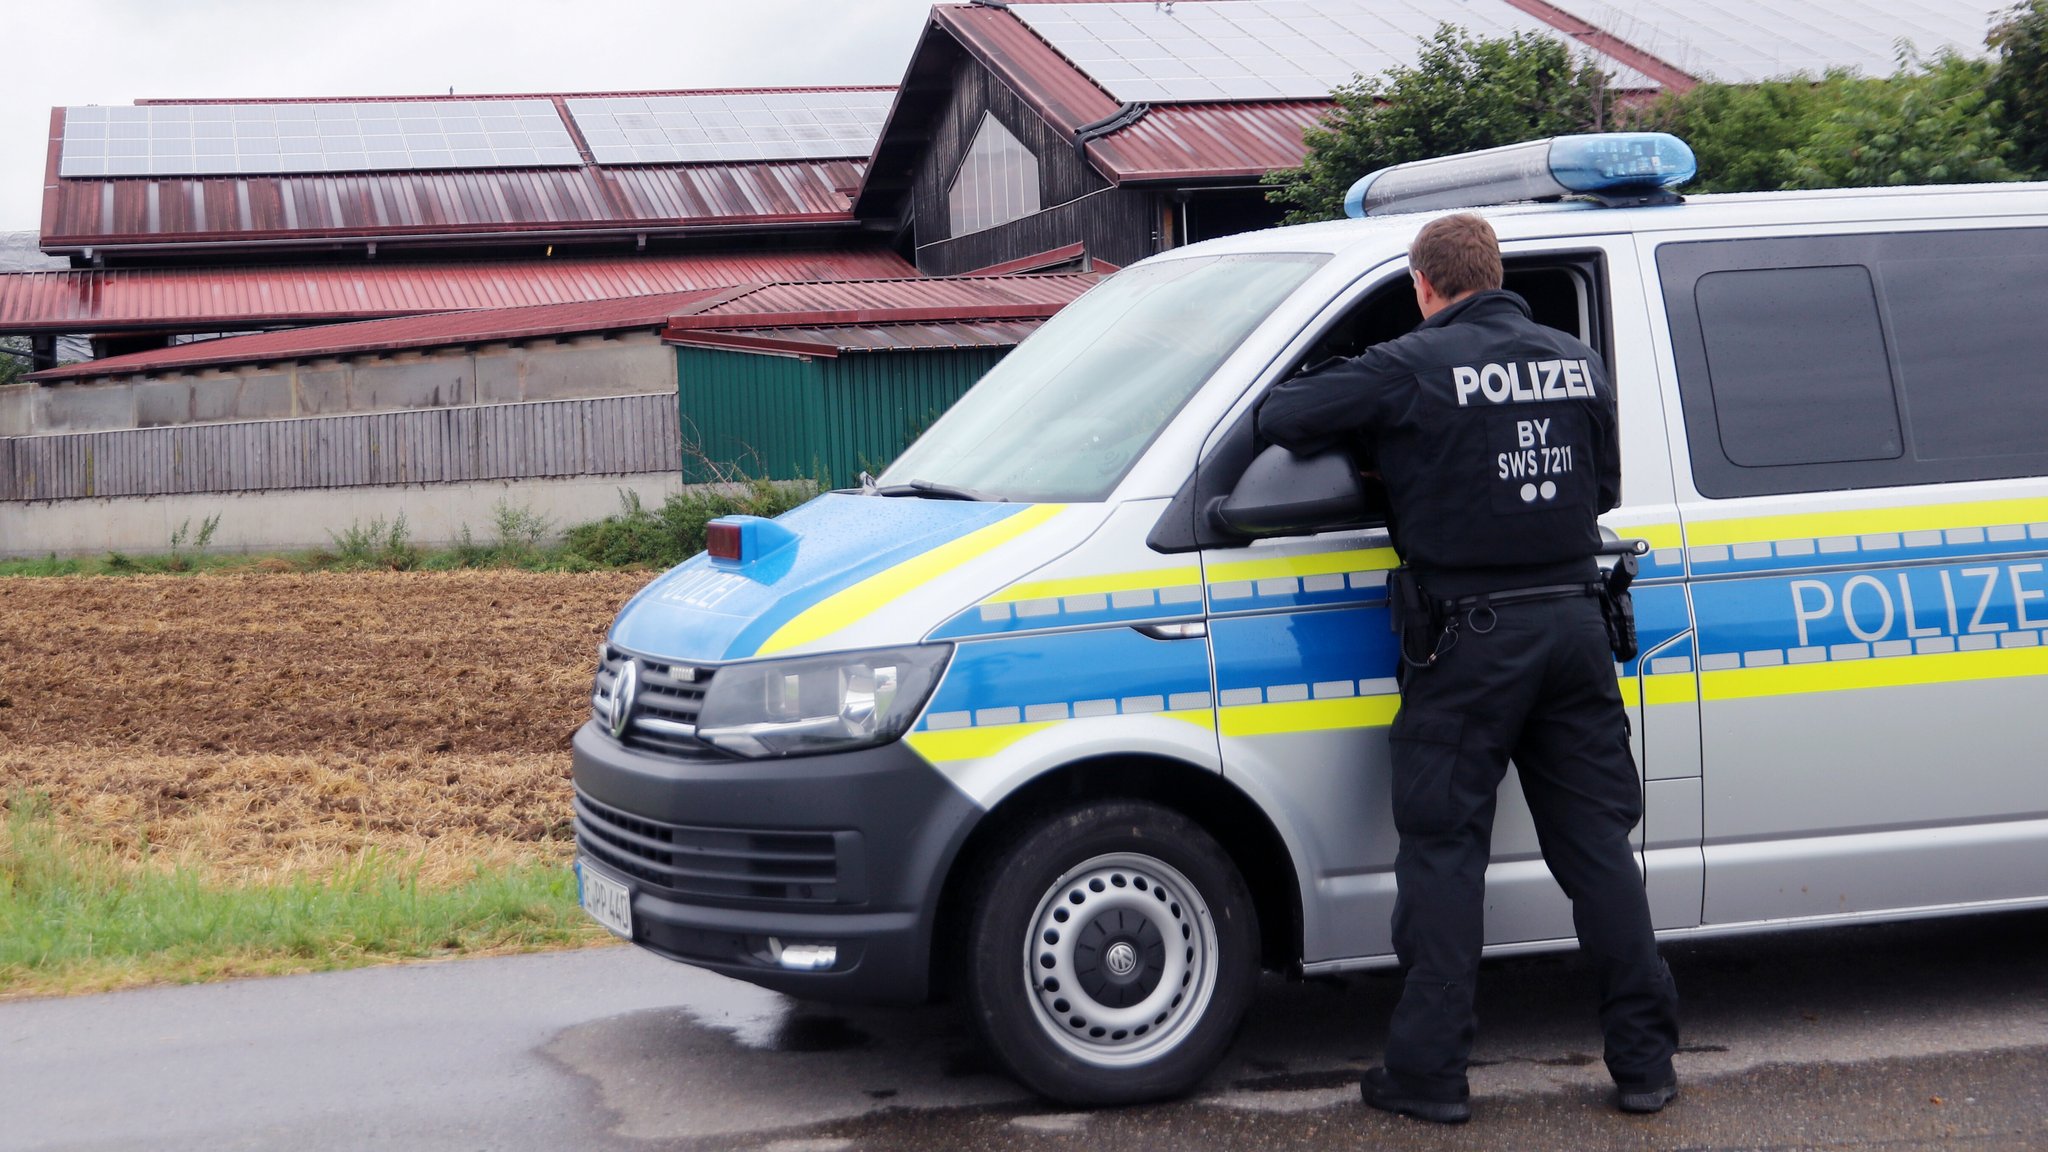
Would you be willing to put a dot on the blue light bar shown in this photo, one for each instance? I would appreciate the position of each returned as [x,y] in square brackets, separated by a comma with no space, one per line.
[1635,167]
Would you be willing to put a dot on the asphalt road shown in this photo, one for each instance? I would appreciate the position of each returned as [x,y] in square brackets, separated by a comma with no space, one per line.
[1930,1035]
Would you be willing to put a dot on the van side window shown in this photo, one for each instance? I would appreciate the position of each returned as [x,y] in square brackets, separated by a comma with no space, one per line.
[1816,363]
[1559,295]
[1797,366]
[1972,338]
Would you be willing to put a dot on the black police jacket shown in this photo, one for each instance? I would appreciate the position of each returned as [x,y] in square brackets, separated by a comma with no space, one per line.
[1494,435]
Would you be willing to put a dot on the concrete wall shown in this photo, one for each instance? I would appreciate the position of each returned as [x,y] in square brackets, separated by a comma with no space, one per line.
[577,368]
[293,520]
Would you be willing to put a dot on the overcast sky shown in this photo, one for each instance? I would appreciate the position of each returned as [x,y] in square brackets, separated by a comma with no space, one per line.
[63,52]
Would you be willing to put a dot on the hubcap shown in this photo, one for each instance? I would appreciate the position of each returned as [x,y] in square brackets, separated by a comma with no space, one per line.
[1121,959]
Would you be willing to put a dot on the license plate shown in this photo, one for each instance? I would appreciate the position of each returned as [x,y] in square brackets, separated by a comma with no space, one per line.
[608,901]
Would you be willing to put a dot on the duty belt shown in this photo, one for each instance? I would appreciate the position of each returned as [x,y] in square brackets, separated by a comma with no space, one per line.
[1520,596]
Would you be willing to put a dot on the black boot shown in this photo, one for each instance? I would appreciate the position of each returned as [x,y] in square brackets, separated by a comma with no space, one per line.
[1378,1089]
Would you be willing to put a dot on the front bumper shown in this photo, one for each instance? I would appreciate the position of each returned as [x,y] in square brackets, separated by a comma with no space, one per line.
[850,849]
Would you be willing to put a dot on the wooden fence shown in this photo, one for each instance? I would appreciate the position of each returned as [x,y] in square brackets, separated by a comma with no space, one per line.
[597,437]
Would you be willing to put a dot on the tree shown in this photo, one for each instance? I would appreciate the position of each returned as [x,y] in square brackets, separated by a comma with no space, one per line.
[1463,94]
[13,367]
[1933,122]
[1743,135]
[2021,84]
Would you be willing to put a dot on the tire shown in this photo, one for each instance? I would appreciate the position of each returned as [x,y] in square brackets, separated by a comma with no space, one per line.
[1112,951]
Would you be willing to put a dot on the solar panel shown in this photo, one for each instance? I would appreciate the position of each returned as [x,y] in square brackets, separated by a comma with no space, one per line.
[1744,41]
[367,136]
[1264,49]
[731,126]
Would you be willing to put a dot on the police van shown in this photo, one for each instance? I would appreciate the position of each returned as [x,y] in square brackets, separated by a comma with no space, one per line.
[1079,711]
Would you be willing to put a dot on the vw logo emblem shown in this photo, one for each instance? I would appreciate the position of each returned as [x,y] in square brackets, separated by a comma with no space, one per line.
[624,688]
[1122,959]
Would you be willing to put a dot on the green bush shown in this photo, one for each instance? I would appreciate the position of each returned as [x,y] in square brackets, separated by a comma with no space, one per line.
[1745,135]
[177,560]
[2021,84]
[378,544]
[1932,122]
[667,536]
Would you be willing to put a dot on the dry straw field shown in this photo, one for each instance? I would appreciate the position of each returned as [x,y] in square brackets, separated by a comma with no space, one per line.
[258,727]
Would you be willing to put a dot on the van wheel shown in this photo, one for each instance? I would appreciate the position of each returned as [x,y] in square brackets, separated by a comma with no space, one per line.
[1112,952]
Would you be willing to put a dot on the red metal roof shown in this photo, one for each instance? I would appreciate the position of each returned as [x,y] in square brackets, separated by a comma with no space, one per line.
[1178,142]
[158,212]
[436,96]
[405,332]
[216,299]
[859,302]
[831,341]
[836,303]
[1207,141]
[1060,92]
[213,211]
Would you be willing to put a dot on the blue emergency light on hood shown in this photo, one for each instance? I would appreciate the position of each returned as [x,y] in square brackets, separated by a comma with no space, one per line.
[1614,167]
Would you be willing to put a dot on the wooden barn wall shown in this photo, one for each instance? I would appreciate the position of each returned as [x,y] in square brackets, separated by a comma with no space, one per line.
[611,435]
[1115,224]
[1062,175]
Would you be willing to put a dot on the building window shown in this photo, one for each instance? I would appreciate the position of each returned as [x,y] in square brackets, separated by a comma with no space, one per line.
[997,181]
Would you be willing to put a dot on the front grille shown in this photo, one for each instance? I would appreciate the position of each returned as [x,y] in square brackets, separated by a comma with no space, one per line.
[664,718]
[733,863]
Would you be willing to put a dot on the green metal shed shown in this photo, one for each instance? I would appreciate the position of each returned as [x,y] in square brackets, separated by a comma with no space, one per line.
[831,379]
[832,410]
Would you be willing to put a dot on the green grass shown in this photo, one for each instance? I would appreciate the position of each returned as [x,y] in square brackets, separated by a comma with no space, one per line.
[74,918]
[635,538]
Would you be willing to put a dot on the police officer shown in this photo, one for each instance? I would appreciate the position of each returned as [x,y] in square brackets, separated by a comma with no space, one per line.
[1496,439]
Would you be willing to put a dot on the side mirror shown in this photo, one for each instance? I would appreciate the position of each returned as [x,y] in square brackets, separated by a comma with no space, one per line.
[1283,494]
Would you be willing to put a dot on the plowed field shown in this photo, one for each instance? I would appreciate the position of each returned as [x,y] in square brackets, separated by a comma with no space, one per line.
[261,725]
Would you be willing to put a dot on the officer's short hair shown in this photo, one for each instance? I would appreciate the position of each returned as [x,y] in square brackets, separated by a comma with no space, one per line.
[1457,254]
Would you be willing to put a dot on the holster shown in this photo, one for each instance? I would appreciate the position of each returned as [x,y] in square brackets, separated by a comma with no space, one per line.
[1618,607]
[1412,613]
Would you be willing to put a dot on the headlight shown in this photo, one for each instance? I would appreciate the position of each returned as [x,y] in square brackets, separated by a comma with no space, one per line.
[819,703]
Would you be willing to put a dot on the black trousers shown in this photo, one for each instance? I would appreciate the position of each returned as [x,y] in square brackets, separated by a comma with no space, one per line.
[1539,687]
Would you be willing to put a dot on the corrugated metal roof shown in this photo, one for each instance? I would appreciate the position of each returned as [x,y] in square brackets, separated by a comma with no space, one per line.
[1060,92]
[403,333]
[1197,141]
[203,299]
[845,303]
[110,212]
[861,302]
[836,339]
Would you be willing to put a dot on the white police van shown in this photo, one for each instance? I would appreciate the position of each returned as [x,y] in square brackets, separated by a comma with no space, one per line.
[1080,711]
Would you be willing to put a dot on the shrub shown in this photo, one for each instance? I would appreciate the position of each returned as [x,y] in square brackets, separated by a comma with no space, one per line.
[1744,135]
[177,560]
[520,531]
[2021,84]
[666,537]
[379,544]
[1932,122]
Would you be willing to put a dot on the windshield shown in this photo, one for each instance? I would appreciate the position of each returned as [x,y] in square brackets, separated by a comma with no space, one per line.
[1066,415]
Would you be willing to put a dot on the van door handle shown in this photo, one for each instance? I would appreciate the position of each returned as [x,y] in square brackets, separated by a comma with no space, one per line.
[1190,630]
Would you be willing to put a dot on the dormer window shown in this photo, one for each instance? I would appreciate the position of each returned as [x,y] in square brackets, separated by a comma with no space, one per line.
[997,181]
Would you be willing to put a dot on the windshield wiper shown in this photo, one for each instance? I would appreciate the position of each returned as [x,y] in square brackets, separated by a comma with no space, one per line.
[935,491]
